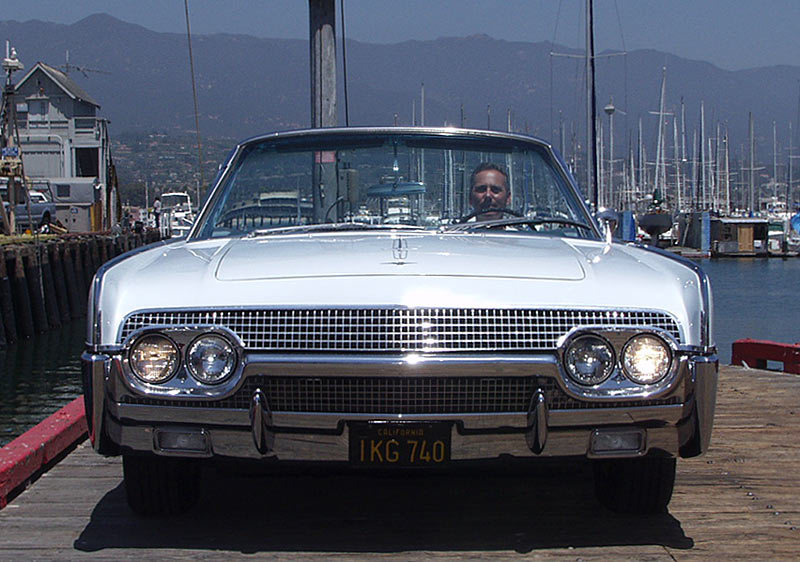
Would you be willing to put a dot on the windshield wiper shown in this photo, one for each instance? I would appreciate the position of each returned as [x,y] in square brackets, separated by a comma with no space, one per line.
[328,227]
[530,221]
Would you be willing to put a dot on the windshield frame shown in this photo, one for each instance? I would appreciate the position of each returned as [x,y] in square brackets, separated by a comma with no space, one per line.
[433,137]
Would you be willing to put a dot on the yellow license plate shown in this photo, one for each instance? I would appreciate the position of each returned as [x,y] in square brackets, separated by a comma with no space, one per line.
[400,443]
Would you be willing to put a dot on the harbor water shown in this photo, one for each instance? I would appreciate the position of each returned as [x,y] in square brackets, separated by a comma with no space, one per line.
[754,298]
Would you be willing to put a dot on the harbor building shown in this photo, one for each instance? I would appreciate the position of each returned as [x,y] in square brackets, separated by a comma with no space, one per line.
[66,149]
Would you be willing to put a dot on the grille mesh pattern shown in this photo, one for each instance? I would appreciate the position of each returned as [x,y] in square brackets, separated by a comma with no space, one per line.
[400,395]
[400,330]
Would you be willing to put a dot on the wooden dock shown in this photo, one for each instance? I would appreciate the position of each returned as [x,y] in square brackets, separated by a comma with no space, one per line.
[740,501]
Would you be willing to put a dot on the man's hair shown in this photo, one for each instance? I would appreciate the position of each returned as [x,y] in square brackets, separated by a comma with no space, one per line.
[484,166]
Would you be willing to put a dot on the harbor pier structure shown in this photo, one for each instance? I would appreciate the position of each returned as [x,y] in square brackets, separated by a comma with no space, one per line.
[45,283]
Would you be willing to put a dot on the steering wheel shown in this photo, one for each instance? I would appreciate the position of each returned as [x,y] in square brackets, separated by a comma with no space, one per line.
[501,210]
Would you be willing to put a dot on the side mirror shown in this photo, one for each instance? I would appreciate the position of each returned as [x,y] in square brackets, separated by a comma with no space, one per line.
[608,220]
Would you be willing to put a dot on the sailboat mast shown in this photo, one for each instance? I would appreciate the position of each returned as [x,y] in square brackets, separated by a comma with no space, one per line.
[728,207]
[703,179]
[591,108]
[641,159]
[676,152]
[775,157]
[789,178]
[660,142]
[752,166]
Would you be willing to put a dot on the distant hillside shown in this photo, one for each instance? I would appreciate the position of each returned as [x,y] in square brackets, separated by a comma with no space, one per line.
[248,85]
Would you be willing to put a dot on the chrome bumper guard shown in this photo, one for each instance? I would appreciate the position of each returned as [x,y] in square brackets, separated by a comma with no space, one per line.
[260,433]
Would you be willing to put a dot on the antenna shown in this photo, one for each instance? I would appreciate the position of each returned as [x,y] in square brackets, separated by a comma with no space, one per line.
[67,67]
[11,63]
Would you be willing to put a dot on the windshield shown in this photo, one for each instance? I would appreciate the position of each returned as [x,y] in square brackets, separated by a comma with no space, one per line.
[371,180]
[175,200]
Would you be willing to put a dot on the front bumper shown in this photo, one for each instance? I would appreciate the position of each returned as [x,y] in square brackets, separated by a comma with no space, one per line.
[677,423]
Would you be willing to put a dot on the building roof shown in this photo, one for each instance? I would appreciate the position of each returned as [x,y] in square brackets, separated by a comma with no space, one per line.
[741,220]
[62,80]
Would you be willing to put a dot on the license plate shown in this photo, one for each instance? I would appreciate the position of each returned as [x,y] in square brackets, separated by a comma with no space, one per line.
[400,443]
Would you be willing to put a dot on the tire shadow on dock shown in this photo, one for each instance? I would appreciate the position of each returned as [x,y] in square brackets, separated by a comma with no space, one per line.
[524,507]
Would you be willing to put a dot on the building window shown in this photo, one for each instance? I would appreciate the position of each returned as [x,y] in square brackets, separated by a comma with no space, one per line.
[86,162]
[38,112]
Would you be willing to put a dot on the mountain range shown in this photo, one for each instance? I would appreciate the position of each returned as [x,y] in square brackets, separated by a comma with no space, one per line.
[248,85]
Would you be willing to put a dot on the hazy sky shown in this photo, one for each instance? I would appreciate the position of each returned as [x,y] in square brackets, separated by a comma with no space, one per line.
[732,34]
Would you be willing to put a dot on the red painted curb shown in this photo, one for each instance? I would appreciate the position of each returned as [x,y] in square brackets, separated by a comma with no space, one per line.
[31,451]
[756,353]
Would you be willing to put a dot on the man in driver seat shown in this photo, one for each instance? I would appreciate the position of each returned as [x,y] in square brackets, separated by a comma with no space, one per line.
[489,191]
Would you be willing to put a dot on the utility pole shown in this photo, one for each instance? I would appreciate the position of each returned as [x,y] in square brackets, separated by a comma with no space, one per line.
[322,18]
[322,42]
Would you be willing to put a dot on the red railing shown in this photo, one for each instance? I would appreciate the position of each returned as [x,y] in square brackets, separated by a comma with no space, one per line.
[756,353]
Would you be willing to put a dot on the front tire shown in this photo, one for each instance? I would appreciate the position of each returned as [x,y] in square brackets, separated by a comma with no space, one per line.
[160,485]
[642,485]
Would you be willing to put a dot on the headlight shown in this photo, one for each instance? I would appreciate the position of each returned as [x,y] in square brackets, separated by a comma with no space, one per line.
[646,359]
[154,358]
[211,358]
[589,360]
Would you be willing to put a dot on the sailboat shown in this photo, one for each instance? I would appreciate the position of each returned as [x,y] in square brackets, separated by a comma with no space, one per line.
[657,220]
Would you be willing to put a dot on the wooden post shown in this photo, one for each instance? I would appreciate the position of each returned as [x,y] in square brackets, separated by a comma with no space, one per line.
[7,300]
[322,19]
[322,42]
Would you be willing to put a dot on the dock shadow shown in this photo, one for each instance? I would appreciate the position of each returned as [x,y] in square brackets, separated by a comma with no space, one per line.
[521,508]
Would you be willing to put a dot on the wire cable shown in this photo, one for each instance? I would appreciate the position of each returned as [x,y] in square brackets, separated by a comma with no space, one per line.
[194,96]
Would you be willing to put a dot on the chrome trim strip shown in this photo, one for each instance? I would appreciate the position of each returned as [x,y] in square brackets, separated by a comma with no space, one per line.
[238,443]
[142,414]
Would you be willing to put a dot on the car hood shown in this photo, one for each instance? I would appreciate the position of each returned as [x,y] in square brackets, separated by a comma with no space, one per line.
[355,255]
[465,270]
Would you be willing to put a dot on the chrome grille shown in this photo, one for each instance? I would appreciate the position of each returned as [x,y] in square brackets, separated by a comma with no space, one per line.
[399,395]
[401,329]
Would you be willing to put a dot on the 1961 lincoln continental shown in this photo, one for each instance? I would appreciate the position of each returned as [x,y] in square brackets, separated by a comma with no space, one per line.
[399,297]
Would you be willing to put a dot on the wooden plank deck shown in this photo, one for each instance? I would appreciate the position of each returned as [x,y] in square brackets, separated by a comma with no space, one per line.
[740,501]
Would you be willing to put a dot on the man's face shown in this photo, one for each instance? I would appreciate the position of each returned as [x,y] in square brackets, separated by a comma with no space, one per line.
[489,191]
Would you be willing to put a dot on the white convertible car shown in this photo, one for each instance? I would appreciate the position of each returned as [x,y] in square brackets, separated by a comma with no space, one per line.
[399,298]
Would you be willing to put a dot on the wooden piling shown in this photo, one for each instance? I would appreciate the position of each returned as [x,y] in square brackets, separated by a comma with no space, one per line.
[57,265]
[49,289]
[33,276]
[6,301]
[72,282]
[22,300]
[80,272]
[47,284]
[103,245]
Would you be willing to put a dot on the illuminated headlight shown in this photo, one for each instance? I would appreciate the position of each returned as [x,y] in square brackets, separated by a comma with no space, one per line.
[211,358]
[154,358]
[589,360]
[646,359]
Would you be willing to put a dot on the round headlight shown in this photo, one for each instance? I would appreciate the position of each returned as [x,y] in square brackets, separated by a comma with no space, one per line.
[154,358]
[646,359]
[211,358]
[589,360]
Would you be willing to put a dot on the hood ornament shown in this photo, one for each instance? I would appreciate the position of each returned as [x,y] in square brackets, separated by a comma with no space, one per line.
[399,252]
